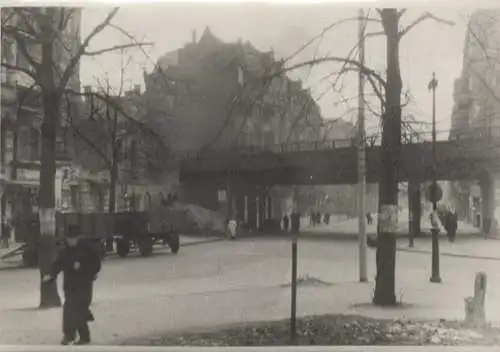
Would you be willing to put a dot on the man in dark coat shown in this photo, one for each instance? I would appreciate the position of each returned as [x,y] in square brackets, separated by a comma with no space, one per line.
[295,222]
[285,222]
[451,225]
[80,264]
[327,219]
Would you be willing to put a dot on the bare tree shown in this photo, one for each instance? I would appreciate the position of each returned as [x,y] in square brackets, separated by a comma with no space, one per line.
[116,135]
[389,92]
[43,36]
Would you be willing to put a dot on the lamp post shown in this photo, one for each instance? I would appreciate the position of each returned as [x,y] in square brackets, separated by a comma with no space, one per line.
[435,277]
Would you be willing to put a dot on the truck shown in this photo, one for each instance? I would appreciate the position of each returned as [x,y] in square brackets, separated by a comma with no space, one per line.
[128,231]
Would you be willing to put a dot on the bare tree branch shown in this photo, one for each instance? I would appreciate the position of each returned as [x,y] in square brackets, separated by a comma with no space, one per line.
[356,64]
[26,71]
[425,16]
[402,12]
[70,68]
[20,39]
[115,48]
[76,129]
[324,31]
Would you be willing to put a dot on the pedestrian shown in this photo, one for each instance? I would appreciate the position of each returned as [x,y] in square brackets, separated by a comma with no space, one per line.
[6,229]
[327,219]
[80,264]
[232,228]
[369,218]
[295,222]
[452,222]
[285,222]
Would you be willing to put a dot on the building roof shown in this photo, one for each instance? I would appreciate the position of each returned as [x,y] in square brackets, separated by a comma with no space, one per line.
[208,39]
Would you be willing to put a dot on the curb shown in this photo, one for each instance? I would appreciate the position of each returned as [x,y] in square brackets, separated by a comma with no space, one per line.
[194,243]
[445,254]
[338,236]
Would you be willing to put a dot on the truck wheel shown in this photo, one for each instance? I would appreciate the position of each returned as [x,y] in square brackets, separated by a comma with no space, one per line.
[146,246]
[173,242]
[30,257]
[122,248]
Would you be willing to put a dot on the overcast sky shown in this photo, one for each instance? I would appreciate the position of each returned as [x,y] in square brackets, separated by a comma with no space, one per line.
[429,47]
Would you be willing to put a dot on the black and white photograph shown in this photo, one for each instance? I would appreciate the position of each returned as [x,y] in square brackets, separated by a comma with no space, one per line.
[266,173]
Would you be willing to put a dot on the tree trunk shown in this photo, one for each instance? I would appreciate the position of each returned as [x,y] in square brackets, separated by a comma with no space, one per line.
[113,177]
[390,151]
[112,189]
[47,249]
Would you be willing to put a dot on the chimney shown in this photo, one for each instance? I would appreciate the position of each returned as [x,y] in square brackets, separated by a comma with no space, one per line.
[87,89]
[193,35]
[137,89]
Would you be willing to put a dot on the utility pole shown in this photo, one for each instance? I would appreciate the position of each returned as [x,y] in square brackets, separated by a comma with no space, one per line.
[435,277]
[363,276]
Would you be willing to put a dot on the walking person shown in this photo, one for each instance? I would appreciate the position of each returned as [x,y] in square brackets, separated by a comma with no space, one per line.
[369,218]
[285,222]
[452,225]
[295,222]
[327,219]
[6,229]
[80,265]
[232,227]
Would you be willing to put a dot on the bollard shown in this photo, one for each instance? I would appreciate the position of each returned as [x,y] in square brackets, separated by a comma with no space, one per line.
[475,315]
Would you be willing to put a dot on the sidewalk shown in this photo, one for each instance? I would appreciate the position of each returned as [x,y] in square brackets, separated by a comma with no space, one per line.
[348,229]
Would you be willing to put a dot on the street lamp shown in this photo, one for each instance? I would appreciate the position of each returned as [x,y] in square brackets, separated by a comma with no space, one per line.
[435,277]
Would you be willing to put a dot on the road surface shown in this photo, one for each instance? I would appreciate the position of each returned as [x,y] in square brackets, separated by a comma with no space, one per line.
[238,281]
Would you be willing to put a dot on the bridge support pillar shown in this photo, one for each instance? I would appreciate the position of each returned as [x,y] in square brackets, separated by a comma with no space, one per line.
[240,207]
[487,186]
[415,209]
[230,192]
[261,208]
[269,209]
[252,210]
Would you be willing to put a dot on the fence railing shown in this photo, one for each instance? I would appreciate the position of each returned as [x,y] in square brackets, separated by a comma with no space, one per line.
[371,140]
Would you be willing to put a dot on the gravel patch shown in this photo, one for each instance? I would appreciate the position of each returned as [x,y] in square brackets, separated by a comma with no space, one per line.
[327,330]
